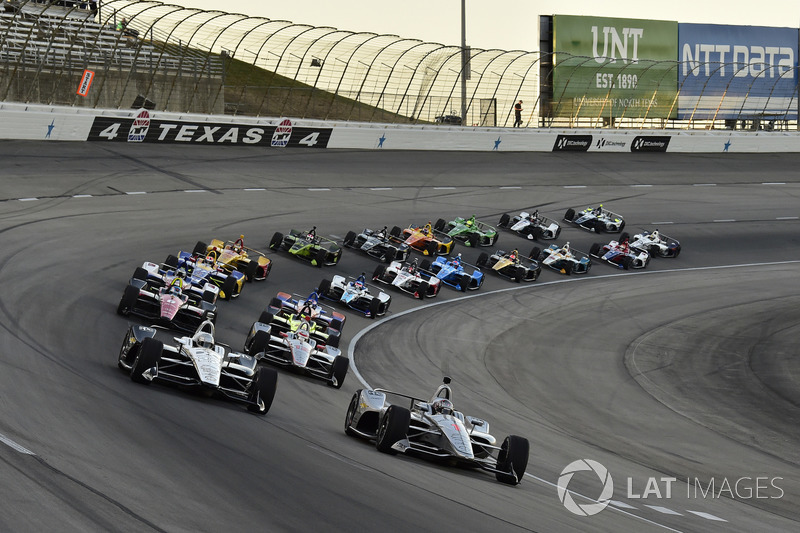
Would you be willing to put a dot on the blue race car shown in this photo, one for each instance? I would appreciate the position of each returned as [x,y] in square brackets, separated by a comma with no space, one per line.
[451,272]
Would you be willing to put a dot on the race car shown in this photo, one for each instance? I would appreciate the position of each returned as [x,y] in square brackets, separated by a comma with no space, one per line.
[198,363]
[656,244]
[512,265]
[597,218]
[204,270]
[160,275]
[377,244]
[470,231]
[172,306]
[452,272]
[233,255]
[423,239]
[307,245]
[298,351]
[412,278]
[531,225]
[355,294]
[434,429]
[620,254]
[565,260]
[286,314]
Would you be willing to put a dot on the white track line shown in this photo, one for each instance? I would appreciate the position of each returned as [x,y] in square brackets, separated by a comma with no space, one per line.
[10,443]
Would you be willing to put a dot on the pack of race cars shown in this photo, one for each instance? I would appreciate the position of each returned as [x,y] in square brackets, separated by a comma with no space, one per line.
[302,333]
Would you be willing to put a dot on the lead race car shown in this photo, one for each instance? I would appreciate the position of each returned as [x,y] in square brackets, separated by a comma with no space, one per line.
[377,244]
[198,363]
[512,265]
[298,351]
[620,254]
[452,272]
[531,225]
[597,218]
[656,244]
[565,259]
[308,246]
[173,305]
[355,294]
[470,231]
[412,278]
[434,429]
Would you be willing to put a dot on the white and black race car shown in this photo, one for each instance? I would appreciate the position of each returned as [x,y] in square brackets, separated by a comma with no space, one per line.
[531,225]
[377,244]
[416,280]
[355,294]
[656,244]
[434,429]
[599,219]
[198,363]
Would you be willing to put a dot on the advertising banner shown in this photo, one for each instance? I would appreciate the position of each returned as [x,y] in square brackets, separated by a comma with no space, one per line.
[614,67]
[730,72]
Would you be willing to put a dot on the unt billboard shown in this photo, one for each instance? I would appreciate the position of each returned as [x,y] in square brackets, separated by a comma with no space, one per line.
[614,67]
[729,72]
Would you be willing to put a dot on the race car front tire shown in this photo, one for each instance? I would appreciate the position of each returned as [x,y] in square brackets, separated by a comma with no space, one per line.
[374,308]
[431,247]
[351,414]
[393,427]
[473,239]
[627,261]
[389,255]
[339,371]
[228,286]
[200,248]
[262,390]
[319,257]
[171,261]
[440,224]
[250,270]
[464,282]
[324,287]
[380,270]
[259,343]
[519,274]
[276,241]
[265,317]
[483,259]
[333,339]
[350,238]
[512,460]
[147,358]
[595,249]
[140,273]
[569,215]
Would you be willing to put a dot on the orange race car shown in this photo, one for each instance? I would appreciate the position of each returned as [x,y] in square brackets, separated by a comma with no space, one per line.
[424,239]
[234,256]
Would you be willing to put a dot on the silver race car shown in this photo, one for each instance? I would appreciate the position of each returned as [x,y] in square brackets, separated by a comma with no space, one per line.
[531,225]
[655,243]
[597,218]
[434,429]
[355,294]
[199,363]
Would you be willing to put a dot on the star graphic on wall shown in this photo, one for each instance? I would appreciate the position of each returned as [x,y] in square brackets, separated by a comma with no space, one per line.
[50,129]
[381,139]
[497,144]
[727,145]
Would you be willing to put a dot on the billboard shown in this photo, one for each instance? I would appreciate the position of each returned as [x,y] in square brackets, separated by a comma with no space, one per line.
[729,72]
[614,67]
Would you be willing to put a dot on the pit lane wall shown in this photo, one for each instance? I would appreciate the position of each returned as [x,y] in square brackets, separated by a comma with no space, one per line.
[54,123]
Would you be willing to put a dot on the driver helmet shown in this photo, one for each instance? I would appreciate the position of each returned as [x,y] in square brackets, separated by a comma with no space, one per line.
[302,334]
[457,260]
[204,340]
[565,249]
[655,236]
[442,406]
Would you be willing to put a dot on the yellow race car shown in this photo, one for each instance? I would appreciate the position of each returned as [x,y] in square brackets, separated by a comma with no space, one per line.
[235,256]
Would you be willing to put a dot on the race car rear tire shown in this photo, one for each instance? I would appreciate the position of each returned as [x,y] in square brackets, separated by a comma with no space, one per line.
[209,296]
[483,259]
[396,231]
[128,300]
[393,427]
[228,286]
[337,324]
[148,357]
[431,247]
[535,251]
[379,271]
[276,241]
[250,270]
[627,261]
[351,414]
[595,249]
[512,459]
[374,308]
[324,286]
[259,343]
[319,257]
[350,238]
[171,261]
[569,215]
[276,302]
[262,390]
[473,239]
[339,371]
[621,226]
[140,273]
[504,220]
[464,282]
[200,248]
[519,274]
[266,317]
[422,290]
[333,339]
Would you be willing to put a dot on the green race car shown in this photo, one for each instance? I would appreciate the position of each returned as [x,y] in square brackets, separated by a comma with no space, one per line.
[470,231]
[307,245]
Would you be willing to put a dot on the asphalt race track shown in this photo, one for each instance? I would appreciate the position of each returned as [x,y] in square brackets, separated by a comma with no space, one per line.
[681,380]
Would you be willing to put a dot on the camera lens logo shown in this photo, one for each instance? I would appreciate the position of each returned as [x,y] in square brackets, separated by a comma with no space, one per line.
[585,509]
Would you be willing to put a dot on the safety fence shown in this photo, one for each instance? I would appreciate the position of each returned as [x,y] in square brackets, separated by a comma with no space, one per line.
[169,58]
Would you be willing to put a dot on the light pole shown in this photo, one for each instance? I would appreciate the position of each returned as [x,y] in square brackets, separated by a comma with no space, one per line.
[464,63]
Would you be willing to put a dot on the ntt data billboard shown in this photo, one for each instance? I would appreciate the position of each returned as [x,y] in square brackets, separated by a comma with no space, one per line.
[731,72]
[614,67]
